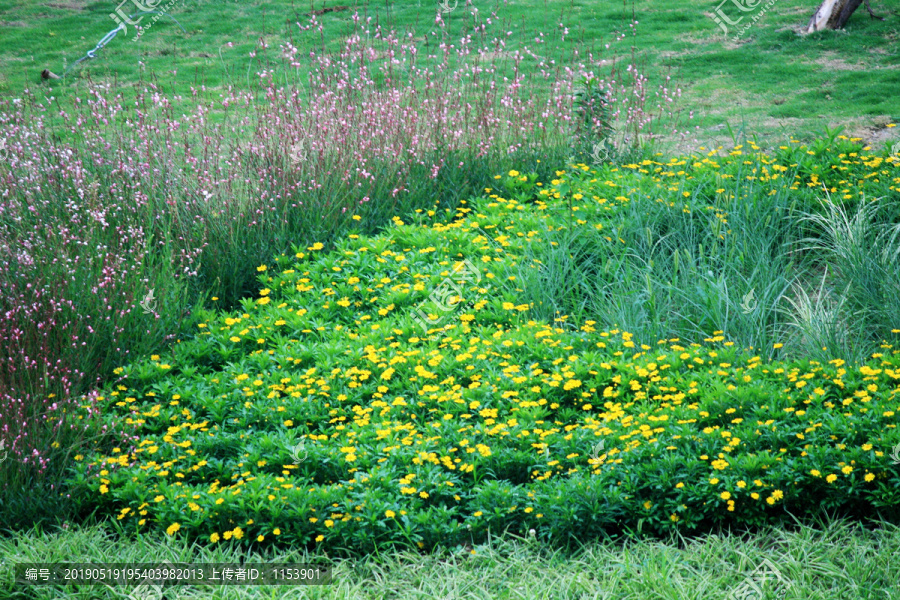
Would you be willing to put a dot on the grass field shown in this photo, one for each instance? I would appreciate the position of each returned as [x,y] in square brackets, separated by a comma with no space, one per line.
[770,81]
[821,562]
[450,322]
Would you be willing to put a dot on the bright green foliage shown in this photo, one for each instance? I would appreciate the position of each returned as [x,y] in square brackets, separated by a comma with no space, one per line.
[324,410]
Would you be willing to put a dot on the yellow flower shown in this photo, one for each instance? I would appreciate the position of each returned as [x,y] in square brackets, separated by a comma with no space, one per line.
[329,523]
[714,480]
[390,514]
[725,495]
[316,246]
[261,269]
[260,538]
[869,477]
[320,538]
[276,531]
[831,478]
[571,385]
[214,538]
[742,484]
[847,470]
[103,489]
[238,533]
[477,513]
[815,473]
[173,528]
[679,485]
[513,173]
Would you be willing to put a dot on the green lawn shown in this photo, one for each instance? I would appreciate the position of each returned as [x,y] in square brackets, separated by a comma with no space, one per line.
[811,562]
[771,82]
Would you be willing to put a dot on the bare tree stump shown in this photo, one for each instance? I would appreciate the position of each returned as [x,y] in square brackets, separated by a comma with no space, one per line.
[834,14]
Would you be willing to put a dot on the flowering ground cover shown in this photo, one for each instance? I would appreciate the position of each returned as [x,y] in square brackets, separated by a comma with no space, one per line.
[407,388]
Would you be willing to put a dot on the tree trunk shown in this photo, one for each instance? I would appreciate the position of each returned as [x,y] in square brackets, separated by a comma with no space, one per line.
[834,14]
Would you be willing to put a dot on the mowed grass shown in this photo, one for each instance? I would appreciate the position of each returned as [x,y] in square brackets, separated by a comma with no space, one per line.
[771,81]
[813,562]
